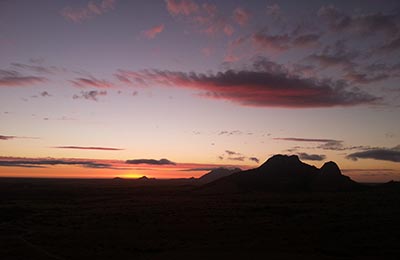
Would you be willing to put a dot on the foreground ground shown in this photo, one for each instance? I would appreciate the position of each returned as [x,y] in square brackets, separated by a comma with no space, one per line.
[109,219]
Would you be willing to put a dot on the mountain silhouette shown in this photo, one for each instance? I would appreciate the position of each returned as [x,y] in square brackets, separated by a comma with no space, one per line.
[285,173]
[217,174]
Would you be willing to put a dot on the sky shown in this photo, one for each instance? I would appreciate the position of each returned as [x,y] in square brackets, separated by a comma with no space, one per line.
[175,88]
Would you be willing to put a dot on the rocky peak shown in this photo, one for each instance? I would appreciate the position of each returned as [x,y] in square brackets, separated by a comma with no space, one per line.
[330,168]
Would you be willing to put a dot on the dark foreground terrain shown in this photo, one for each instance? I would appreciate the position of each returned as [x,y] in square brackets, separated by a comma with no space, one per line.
[118,219]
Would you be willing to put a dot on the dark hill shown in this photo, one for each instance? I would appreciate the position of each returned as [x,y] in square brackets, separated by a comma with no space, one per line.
[216,174]
[285,173]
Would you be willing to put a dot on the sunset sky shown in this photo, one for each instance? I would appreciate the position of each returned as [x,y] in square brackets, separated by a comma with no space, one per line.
[108,88]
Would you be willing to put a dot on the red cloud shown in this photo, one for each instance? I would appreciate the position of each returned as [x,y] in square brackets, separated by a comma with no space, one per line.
[266,86]
[152,32]
[184,7]
[241,16]
[92,9]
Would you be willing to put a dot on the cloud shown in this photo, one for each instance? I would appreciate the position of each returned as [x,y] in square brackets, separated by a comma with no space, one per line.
[207,51]
[295,139]
[265,85]
[362,24]
[274,11]
[11,137]
[151,161]
[7,137]
[181,7]
[37,67]
[337,54]
[229,133]
[364,78]
[205,17]
[272,43]
[45,94]
[91,82]
[10,78]
[91,10]
[90,95]
[231,152]
[277,43]
[235,156]
[312,157]
[153,32]
[89,148]
[41,163]
[391,46]
[254,159]
[217,25]
[382,154]
[325,144]
[241,16]
[201,169]
[306,40]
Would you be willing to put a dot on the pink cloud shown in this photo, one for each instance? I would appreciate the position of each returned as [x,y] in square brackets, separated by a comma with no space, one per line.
[228,29]
[91,82]
[152,32]
[215,26]
[183,7]
[241,16]
[90,10]
[10,78]
[231,58]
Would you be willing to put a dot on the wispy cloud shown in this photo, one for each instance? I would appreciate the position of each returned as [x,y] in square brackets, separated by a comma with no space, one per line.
[325,144]
[205,17]
[390,46]
[91,82]
[273,43]
[151,161]
[11,137]
[153,32]
[274,10]
[362,24]
[241,16]
[91,10]
[335,55]
[181,7]
[295,139]
[41,163]
[88,148]
[233,132]
[7,137]
[38,68]
[11,78]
